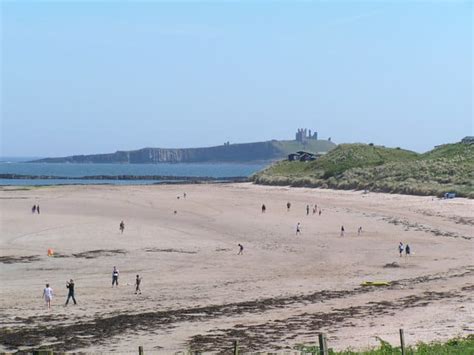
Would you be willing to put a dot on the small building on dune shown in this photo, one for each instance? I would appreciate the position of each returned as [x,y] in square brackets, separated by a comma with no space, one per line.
[304,156]
[468,140]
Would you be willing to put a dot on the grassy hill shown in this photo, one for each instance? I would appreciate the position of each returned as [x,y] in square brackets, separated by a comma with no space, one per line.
[359,166]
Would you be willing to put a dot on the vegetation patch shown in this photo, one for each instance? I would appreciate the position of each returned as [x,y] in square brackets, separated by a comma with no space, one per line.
[10,259]
[92,254]
[456,346]
[448,168]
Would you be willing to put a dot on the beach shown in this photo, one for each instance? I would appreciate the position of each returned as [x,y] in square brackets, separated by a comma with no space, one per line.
[198,294]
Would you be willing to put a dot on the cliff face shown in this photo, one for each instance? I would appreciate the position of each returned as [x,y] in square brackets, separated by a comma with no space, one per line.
[246,152]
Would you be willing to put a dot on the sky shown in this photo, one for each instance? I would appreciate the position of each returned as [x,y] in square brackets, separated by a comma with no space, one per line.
[96,77]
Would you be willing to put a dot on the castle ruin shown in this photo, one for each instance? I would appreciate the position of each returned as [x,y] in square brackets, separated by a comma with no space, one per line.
[303,134]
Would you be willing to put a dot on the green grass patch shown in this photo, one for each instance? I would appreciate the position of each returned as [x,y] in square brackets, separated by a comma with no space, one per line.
[456,346]
[448,168]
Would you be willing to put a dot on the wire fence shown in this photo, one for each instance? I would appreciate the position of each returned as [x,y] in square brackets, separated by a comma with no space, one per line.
[322,344]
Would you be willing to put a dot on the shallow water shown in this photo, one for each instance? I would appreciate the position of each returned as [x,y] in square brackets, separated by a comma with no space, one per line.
[217,170]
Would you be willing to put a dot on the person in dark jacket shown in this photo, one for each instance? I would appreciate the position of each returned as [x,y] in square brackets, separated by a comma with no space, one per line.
[70,287]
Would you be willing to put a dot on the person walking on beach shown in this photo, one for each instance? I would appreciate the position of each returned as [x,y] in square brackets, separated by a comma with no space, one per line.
[33,209]
[314,210]
[407,250]
[359,231]
[400,248]
[70,294]
[264,208]
[288,206]
[115,276]
[320,211]
[307,210]
[48,295]
[241,249]
[342,231]
[122,227]
[138,281]
[298,228]
[184,195]
[38,209]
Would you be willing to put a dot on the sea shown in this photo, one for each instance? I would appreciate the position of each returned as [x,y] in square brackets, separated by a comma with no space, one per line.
[174,172]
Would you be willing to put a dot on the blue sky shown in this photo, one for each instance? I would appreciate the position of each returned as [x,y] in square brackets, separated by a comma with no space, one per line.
[91,77]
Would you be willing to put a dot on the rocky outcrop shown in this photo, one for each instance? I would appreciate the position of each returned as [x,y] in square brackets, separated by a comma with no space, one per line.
[245,152]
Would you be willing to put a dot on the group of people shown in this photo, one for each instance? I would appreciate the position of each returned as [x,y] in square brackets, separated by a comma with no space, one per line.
[288,208]
[405,248]
[48,292]
[115,278]
[315,209]
[343,231]
[308,208]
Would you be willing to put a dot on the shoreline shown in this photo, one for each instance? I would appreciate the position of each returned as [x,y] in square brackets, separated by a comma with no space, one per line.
[122,177]
[193,180]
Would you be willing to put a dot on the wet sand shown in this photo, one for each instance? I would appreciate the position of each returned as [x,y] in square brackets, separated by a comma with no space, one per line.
[198,294]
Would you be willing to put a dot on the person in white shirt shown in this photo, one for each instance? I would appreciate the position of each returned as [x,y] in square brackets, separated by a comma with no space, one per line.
[48,295]
[401,247]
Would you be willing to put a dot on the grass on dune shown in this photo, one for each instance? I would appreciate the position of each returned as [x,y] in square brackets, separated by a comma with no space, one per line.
[448,168]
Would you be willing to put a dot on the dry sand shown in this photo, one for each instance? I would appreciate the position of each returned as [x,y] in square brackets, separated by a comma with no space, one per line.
[199,294]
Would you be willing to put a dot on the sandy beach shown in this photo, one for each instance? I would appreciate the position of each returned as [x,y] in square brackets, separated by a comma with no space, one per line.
[198,294]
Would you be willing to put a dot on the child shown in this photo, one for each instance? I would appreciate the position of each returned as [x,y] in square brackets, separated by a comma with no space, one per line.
[241,249]
[48,295]
[400,248]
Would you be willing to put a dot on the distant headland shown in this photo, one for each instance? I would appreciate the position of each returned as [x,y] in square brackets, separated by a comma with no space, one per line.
[229,153]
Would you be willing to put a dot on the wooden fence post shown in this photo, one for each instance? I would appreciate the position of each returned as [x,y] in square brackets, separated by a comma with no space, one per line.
[236,347]
[140,350]
[402,341]
[323,347]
